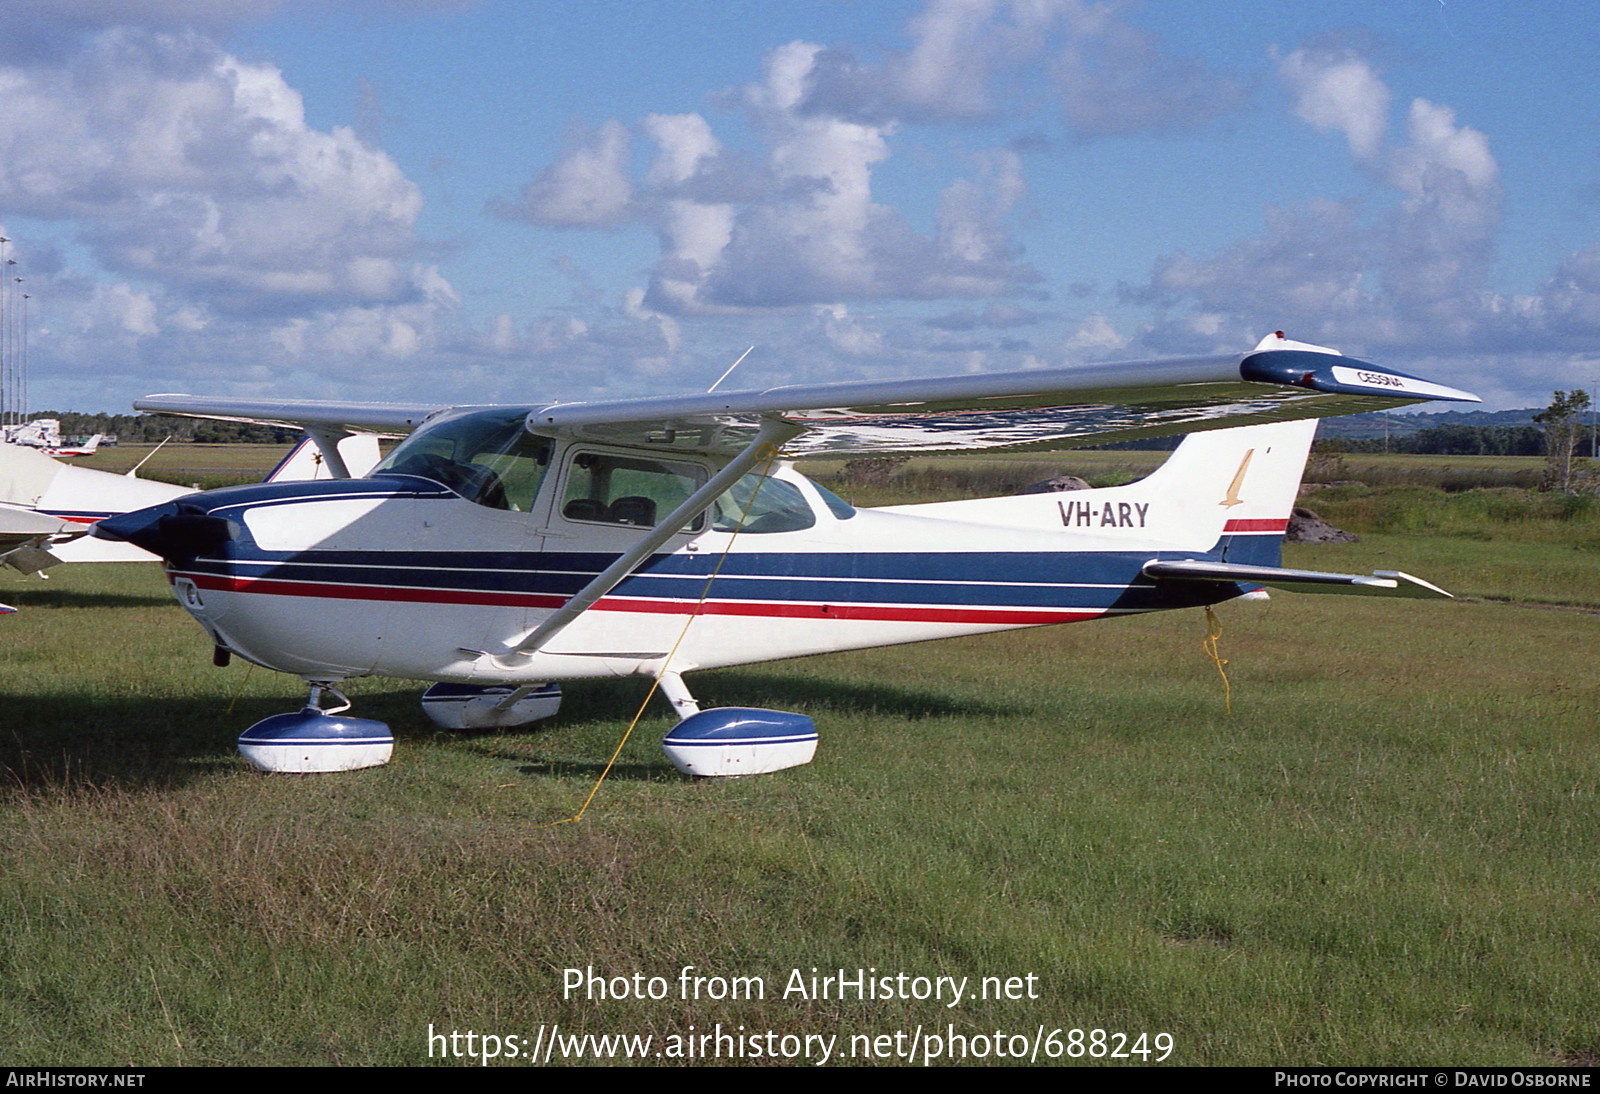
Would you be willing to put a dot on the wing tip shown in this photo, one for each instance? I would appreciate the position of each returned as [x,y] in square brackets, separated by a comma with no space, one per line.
[1279,360]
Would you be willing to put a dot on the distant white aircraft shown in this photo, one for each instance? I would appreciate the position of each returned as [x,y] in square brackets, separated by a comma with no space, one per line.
[47,508]
[500,549]
[87,448]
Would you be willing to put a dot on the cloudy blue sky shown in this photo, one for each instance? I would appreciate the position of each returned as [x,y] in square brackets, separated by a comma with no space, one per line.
[493,200]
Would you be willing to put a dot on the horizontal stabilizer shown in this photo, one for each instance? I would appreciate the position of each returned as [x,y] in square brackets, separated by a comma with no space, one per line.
[1379,583]
[18,524]
[29,559]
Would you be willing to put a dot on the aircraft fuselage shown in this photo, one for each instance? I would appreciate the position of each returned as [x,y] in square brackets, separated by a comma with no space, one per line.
[402,575]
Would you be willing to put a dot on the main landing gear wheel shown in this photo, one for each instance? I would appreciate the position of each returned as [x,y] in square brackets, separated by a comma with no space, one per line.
[726,741]
[316,740]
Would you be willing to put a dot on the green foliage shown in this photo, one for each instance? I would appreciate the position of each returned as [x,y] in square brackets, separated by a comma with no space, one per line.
[1451,440]
[1509,514]
[147,428]
[1563,426]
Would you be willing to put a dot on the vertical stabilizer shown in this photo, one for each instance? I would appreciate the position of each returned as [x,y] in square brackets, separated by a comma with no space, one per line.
[1228,489]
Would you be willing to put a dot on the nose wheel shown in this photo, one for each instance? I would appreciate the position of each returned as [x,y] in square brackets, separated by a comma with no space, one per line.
[317,739]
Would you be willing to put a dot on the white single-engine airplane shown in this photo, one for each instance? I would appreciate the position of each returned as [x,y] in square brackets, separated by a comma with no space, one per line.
[87,448]
[47,508]
[500,549]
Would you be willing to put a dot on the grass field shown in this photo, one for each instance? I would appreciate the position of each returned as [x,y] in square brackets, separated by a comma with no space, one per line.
[1385,854]
[207,466]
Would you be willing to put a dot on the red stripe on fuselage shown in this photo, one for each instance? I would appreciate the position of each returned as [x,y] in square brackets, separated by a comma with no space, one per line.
[880,612]
[372,592]
[1256,525]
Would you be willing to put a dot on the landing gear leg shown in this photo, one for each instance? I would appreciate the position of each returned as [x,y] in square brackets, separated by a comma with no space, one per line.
[677,693]
[319,688]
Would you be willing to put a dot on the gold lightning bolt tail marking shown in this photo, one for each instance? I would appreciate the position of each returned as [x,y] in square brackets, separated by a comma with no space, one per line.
[1232,497]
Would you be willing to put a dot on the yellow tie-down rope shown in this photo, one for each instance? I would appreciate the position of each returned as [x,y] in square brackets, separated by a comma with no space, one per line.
[767,458]
[1214,632]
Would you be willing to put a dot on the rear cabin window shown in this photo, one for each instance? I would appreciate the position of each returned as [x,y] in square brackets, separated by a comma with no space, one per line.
[632,490]
[754,505]
[486,456]
[836,505]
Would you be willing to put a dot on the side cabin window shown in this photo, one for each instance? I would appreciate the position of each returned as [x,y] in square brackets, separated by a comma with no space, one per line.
[486,456]
[610,488]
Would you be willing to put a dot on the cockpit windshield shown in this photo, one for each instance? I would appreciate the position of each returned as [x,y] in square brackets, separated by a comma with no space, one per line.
[486,456]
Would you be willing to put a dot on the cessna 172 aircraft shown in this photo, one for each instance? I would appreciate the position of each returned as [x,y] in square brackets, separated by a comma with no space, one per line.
[500,549]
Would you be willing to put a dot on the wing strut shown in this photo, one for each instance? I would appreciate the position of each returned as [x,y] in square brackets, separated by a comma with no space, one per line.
[328,443]
[773,433]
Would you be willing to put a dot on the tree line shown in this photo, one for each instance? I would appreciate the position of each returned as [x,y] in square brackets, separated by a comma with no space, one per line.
[1449,440]
[149,429]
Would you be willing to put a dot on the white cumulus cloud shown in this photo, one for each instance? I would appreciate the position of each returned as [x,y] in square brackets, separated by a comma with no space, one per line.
[1338,91]
[589,187]
[187,166]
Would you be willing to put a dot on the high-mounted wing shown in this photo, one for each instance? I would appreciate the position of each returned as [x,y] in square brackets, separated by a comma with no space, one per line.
[384,419]
[1039,408]
[329,425]
[1043,408]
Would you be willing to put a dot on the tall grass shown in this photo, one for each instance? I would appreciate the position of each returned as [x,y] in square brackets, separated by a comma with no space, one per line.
[1383,855]
[1486,514]
[1503,544]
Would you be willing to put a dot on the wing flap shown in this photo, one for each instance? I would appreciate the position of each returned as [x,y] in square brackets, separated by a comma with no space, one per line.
[18,525]
[1378,583]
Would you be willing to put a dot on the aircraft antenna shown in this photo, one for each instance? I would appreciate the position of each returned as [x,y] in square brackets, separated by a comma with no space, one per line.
[731,367]
[135,472]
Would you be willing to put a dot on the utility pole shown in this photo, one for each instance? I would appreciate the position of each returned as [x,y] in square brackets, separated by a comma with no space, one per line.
[6,408]
[18,411]
[22,407]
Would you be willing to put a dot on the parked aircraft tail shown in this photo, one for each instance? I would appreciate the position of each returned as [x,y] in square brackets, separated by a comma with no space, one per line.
[1227,493]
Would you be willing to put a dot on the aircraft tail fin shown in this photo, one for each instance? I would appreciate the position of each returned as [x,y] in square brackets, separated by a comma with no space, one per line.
[1238,486]
[1227,493]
